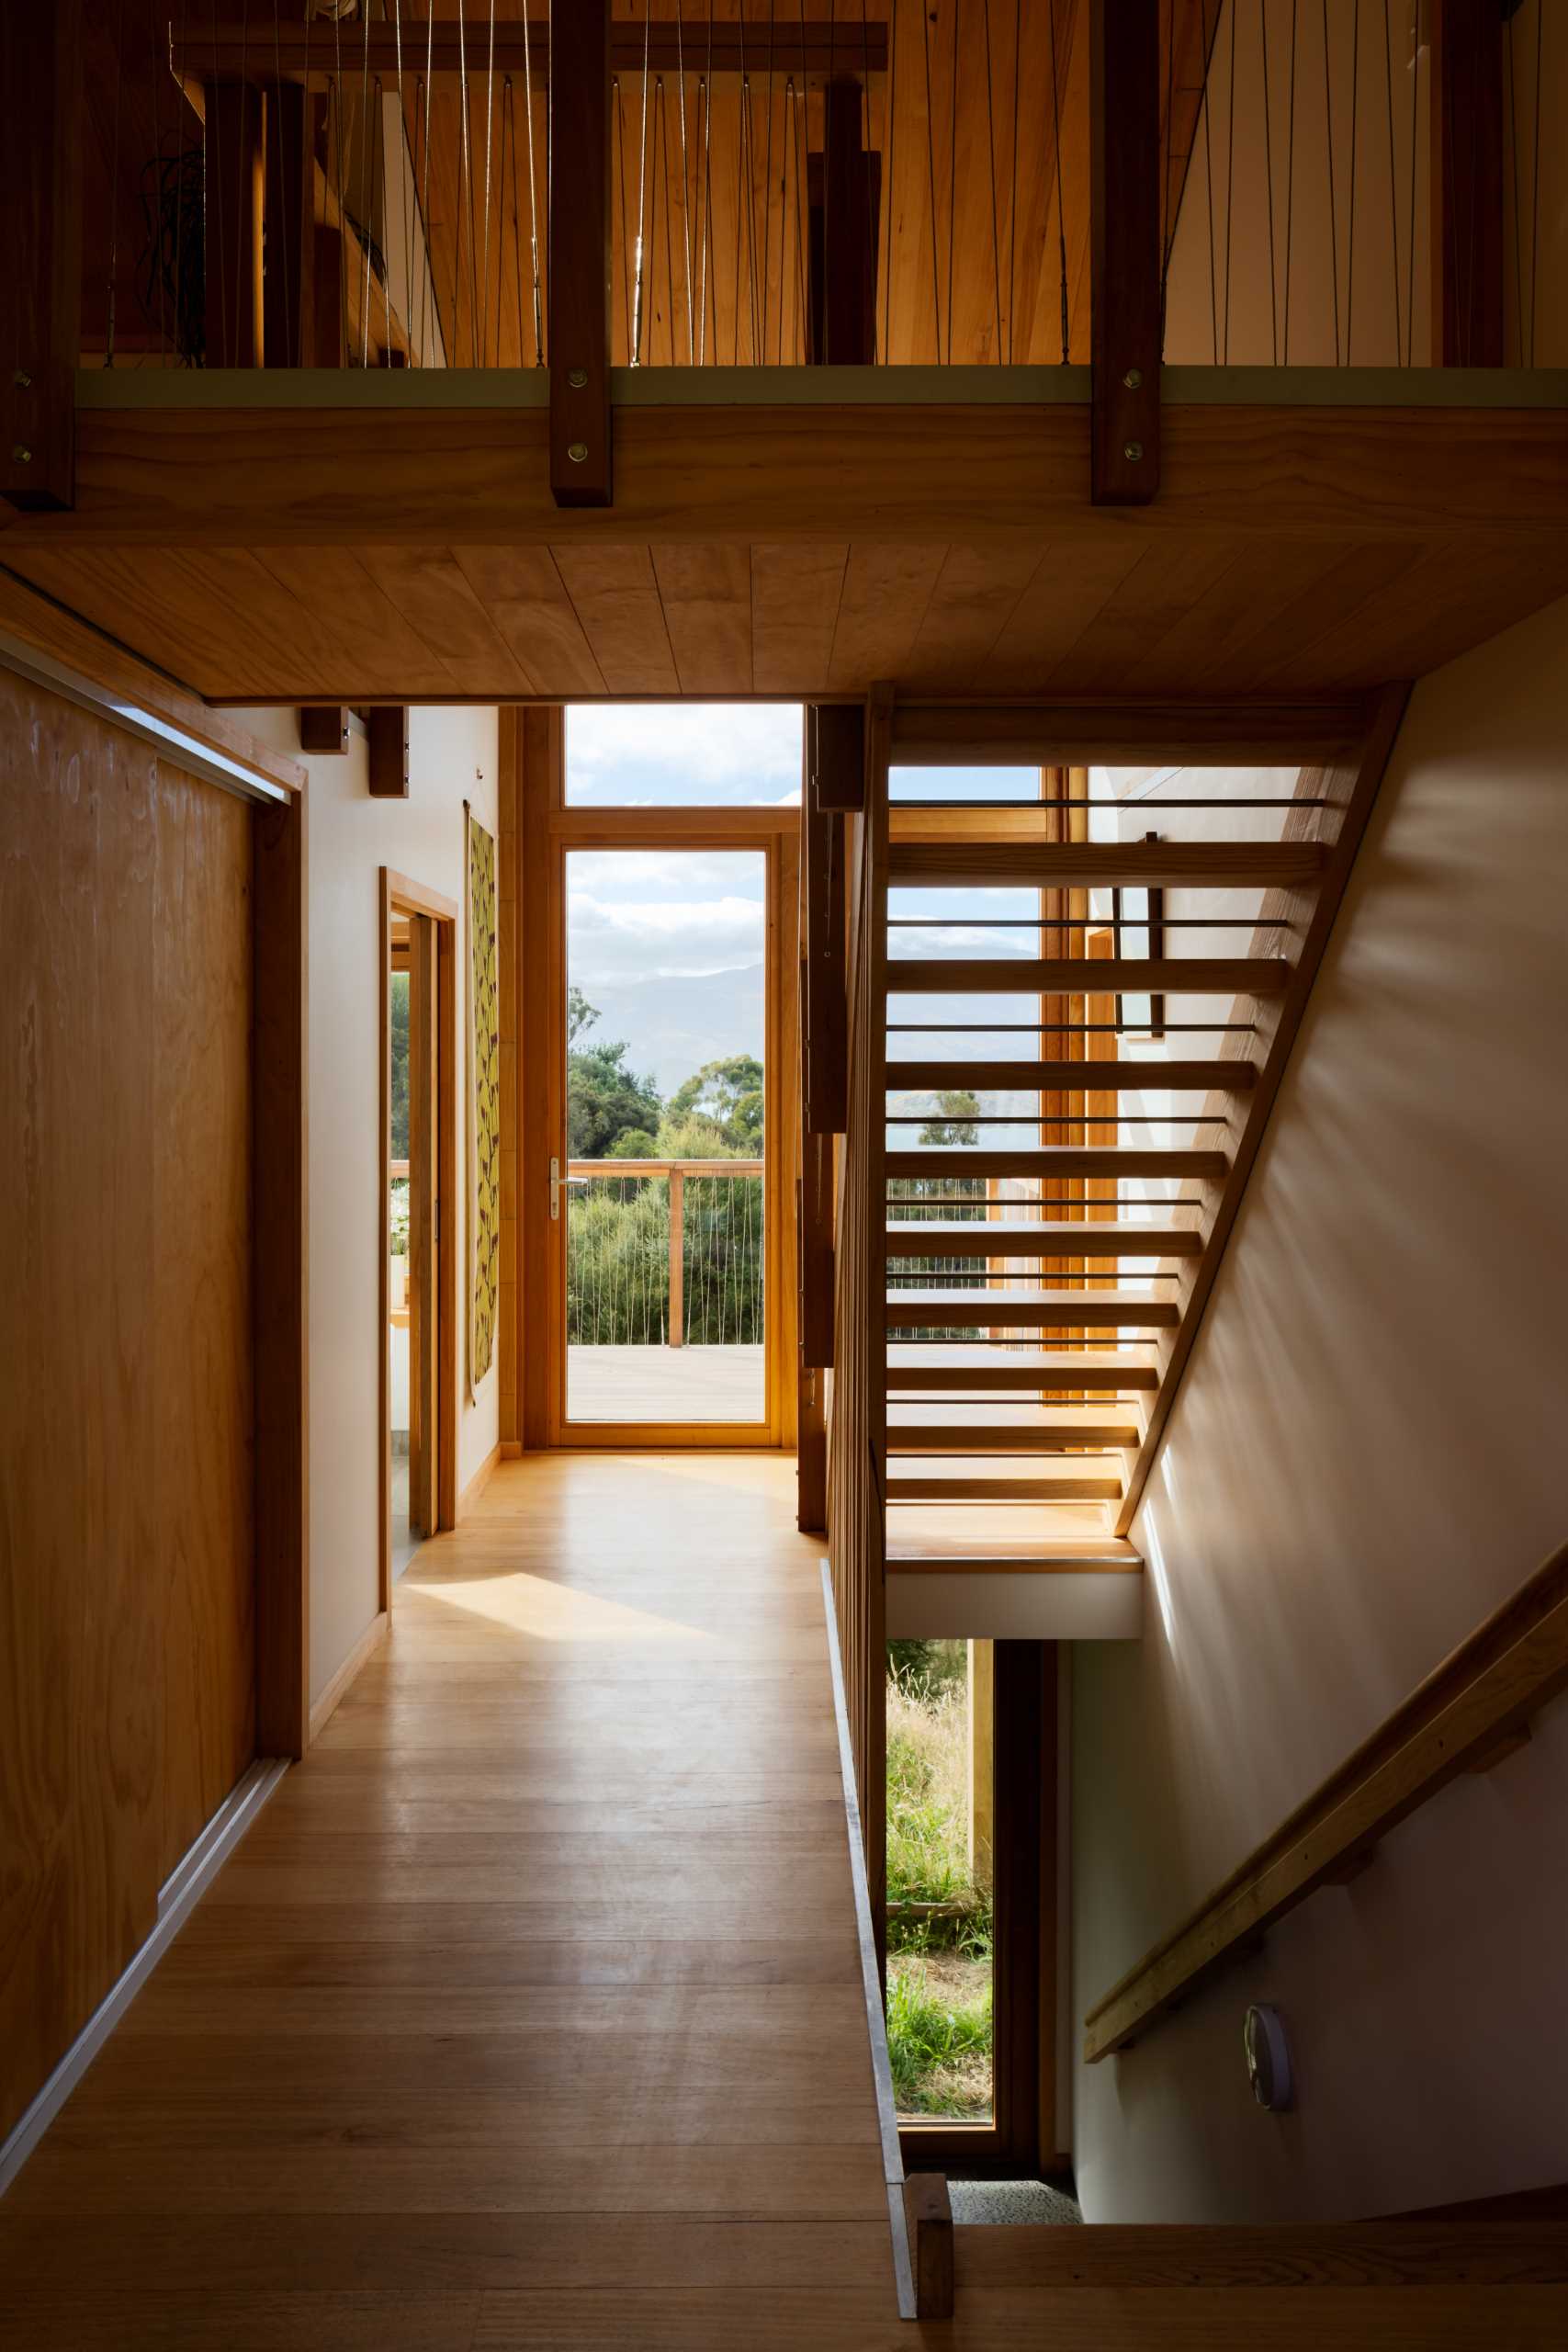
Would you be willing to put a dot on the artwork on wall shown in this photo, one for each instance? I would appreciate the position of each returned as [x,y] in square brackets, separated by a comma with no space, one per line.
[484,1102]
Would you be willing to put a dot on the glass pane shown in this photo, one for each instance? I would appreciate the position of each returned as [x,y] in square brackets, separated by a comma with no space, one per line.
[666,1003]
[939,1879]
[683,755]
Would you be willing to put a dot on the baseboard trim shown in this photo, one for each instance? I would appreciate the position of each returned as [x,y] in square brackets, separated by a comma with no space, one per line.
[326,1705]
[177,1898]
[871,1978]
[511,1449]
[478,1483]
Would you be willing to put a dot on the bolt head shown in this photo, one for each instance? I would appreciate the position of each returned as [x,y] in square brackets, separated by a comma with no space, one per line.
[578,453]
[1134,379]
[21,453]
[1131,451]
[577,378]
[22,380]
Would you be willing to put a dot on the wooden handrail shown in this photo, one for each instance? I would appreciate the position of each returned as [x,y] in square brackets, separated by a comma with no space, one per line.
[1468,1714]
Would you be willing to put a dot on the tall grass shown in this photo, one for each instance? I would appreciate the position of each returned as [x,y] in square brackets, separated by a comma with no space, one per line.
[939,1970]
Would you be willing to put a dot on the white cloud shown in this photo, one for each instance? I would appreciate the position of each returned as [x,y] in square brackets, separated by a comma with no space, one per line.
[654,939]
[703,754]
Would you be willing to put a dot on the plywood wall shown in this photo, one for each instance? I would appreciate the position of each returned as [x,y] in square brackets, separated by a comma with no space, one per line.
[127,1672]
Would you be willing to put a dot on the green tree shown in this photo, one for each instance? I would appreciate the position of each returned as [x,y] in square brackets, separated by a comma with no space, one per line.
[398,1029]
[580,1014]
[958,1111]
[726,1093]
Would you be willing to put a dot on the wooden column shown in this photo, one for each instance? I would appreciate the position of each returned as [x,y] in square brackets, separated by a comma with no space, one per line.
[236,207]
[289,280]
[40,223]
[1125,250]
[1467,183]
[387,728]
[280,1273]
[581,470]
[844,188]
[928,2211]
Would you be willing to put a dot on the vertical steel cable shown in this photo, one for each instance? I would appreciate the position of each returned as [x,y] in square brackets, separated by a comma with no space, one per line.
[1290,180]
[1333,221]
[378,181]
[212,188]
[365,159]
[508,184]
[1269,170]
[952,175]
[490,136]
[290,323]
[427,287]
[892,128]
[1535,176]
[1061,216]
[749,158]
[1393,180]
[1167,229]
[991,150]
[768,190]
[620,98]
[802,133]
[1230,180]
[1350,240]
[872,228]
[931,180]
[533,215]
[641,196]
[705,89]
[661,124]
[1410,268]
[1213,267]
[685,182]
[467,159]
[405,191]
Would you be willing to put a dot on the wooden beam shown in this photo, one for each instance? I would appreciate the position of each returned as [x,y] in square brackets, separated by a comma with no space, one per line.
[323,729]
[927,2214]
[809,47]
[40,223]
[388,726]
[836,754]
[1125,250]
[581,263]
[1204,865]
[1125,733]
[1506,1670]
[1466,90]
[280,1275]
[845,196]
[288,284]
[236,211]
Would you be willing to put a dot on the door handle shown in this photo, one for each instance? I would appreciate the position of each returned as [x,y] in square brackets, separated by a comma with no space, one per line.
[555,1190]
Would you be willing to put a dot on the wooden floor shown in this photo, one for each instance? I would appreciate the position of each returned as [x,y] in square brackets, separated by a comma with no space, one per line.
[666,1385]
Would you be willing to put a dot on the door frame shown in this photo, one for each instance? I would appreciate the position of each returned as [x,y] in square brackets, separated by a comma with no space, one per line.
[400,894]
[547,831]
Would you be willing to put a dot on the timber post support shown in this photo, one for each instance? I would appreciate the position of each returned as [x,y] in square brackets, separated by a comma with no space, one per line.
[580,453]
[1468,328]
[1125,250]
[40,214]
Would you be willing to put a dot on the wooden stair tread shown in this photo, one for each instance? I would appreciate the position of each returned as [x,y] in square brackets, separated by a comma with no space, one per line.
[1090,865]
[1024,1430]
[1073,1077]
[1008,1309]
[929,1366]
[1081,976]
[986,1238]
[983,1484]
[1051,1161]
[930,1549]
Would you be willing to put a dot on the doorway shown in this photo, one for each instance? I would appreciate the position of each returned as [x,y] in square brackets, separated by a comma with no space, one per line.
[418,1195]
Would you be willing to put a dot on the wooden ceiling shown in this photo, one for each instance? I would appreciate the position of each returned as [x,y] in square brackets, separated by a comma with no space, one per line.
[416,554]
[983,222]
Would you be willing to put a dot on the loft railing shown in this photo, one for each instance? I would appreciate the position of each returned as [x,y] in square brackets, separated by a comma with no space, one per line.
[664,1252]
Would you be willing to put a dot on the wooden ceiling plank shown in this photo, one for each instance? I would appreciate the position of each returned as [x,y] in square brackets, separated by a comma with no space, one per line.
[373,646]
[886,592]
[796,593]
[617,599]
[976,591]
[522,592]
[429,589]
[706,595]
[1139,614]
[1069,582]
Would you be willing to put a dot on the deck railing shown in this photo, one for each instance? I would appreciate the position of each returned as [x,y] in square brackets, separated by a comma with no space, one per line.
[664,1252]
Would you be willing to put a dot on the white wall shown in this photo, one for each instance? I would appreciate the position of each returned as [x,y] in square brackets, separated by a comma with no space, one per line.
[452,758]
[1363,1462]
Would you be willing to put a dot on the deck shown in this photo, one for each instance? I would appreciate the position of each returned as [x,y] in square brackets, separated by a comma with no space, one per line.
[691,1384]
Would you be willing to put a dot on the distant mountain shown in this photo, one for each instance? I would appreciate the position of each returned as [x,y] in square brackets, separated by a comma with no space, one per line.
[675,1024]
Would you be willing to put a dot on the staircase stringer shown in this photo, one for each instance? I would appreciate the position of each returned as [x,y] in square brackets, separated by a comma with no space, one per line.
[1300,919]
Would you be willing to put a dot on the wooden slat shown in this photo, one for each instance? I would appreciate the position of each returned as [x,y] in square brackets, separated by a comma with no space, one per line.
[1124,249]
[1199,865]
[1508,1668]
[1042,1433]
[1064,1486]
[1004,1308]
[1126,733]
[41,205]
[1154,1077]
[1074,974]
[1001,1238]
[1025,1370]
[579,257]
[448,50]
[1051,1161]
